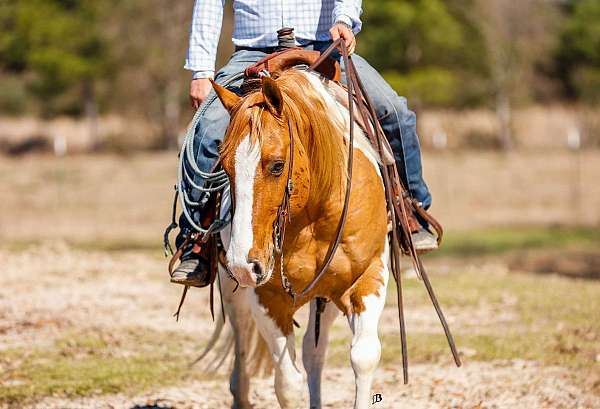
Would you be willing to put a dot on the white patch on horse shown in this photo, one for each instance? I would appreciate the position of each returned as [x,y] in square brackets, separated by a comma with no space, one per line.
[289,381]
[366,347]
[247,157]
[340,115]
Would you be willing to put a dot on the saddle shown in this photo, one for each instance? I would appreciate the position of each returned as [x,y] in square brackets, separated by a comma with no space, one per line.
[280,61]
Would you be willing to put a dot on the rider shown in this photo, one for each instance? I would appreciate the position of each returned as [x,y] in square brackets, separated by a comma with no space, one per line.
[316,24]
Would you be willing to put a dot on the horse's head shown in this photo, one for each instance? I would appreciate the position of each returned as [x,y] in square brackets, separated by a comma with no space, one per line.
[256,156]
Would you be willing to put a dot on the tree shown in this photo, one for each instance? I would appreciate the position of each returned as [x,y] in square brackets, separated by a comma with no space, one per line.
[518,35]
[579,52]
[59,42]
[149,40]
[427,49]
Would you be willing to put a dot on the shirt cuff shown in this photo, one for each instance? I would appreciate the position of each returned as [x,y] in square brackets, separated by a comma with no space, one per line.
[342,18]
[202,74]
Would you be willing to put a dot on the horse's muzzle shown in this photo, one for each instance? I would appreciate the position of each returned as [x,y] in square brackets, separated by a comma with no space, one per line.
[250,274]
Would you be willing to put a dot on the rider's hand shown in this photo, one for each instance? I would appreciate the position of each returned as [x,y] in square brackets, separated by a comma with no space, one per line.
[199,89]
[343,31]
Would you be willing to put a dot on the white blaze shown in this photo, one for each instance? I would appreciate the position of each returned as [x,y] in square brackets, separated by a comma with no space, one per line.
[247,156]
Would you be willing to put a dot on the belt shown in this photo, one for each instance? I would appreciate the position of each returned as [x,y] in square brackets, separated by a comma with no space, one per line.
[271,50]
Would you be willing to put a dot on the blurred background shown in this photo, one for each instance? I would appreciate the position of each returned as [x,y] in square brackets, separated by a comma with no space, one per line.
[93,104]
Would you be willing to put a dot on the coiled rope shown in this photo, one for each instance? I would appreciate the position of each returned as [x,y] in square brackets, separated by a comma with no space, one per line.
[191,179]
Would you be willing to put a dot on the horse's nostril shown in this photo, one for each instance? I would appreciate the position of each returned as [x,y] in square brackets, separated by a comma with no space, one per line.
[257,269]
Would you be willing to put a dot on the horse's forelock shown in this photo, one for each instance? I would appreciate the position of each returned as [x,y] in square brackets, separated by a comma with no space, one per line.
[246,119]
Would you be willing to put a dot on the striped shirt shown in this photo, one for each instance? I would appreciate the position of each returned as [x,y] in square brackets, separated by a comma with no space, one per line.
[256,23]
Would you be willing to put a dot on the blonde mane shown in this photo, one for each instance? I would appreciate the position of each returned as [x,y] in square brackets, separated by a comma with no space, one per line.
[319,133]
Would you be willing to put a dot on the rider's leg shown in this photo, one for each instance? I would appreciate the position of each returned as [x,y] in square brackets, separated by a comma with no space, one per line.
[400,126]
[209,133]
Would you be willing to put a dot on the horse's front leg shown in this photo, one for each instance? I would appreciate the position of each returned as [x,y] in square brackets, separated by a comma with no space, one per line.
[366,348]
[313,357]
[239,380]
[289,381]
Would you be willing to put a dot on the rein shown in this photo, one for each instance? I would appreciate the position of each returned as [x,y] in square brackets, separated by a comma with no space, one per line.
[283,211]
[399,203]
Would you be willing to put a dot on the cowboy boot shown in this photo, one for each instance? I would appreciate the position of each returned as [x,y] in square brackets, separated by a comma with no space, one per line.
[422,238]
[195,269]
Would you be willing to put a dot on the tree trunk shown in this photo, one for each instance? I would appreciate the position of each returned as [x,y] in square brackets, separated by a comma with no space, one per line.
[171,113]
[91,111]
[504,116]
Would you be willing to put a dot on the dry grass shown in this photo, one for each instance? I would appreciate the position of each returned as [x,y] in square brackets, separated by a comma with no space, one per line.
[87,328]
[534,127]
[120,201]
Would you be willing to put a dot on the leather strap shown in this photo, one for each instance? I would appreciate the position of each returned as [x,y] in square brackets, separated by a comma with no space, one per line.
[400,204]
[342,222]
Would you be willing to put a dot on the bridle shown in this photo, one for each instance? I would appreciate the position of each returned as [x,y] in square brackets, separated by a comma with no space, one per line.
[284,216]
[283,212]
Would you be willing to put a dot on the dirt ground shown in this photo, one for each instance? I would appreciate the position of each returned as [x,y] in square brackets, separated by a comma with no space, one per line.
[96,301]
[86,307]
[524,385]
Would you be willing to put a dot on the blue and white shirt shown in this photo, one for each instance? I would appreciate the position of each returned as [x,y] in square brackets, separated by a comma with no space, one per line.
[256,23]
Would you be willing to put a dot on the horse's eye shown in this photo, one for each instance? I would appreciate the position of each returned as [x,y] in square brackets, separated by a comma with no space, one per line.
[276,168]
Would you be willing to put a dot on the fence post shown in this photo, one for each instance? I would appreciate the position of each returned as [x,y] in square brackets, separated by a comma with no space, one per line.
[574,145]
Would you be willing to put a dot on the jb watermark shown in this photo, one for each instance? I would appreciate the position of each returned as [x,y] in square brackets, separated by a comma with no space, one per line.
[377,398]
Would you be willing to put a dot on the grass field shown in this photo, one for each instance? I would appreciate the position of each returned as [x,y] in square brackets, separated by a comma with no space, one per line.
[86,307]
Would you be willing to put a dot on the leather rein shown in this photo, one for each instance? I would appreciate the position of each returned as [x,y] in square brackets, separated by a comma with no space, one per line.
[283,212]
[399,203]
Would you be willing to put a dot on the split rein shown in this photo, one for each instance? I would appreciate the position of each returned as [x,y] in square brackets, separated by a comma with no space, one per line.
[283,212]
[398,201]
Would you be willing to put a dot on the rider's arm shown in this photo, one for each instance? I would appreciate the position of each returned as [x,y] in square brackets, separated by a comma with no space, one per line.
[348,12]
[204,37]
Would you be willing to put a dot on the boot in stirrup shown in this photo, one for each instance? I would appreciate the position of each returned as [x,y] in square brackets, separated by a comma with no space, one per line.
[422,238]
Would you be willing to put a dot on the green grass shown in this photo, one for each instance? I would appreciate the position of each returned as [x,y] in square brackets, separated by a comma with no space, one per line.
[92,363]
[154,245]
[501,241]
[557,320]
[455,244]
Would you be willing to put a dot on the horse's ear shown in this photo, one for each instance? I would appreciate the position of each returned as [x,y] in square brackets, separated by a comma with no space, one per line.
[228,98]
[272,95]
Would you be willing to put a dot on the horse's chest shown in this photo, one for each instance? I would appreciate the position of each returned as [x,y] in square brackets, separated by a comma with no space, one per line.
[309,255]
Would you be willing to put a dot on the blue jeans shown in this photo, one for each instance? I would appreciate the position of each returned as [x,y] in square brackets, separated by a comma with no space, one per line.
[397,121]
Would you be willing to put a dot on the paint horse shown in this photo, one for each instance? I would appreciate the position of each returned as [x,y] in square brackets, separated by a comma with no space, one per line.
[301,107]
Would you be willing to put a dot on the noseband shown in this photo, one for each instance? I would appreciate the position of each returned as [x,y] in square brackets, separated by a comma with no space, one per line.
[284,216]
